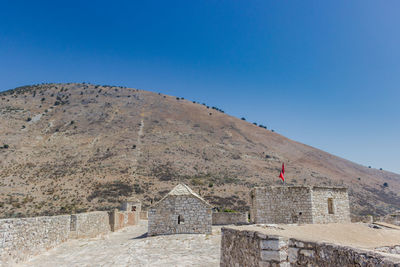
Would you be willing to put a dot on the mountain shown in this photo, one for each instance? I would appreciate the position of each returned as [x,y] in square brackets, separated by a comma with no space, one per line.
[76,147]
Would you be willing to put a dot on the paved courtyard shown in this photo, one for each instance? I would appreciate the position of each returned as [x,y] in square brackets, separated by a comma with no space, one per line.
[131,247]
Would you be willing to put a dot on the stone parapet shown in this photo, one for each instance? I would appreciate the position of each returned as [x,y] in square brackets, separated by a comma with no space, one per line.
[22,238]
[89,224]
[253,248]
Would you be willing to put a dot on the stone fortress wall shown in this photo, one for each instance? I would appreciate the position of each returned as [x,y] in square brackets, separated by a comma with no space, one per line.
[89,224]
[252,248]
[22,238]
[299,204]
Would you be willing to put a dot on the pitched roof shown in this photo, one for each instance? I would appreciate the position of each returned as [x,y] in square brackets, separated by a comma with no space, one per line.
[182,190]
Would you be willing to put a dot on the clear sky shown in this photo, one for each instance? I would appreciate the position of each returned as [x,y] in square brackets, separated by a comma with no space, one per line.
[324,73]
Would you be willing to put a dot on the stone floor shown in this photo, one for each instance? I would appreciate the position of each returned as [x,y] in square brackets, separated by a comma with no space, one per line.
[131,247]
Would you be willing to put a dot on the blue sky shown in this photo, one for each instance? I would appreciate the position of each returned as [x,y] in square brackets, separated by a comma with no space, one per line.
[325,73]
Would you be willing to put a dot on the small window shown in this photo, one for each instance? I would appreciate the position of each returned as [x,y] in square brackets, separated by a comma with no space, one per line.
[180,219]
[330,206]
[133,208]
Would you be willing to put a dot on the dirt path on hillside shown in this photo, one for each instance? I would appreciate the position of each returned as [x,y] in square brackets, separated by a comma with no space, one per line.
[130,247]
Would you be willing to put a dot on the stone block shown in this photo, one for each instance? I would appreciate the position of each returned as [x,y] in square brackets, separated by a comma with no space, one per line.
[272,244]
[268,255]
[292,255]
[307,252]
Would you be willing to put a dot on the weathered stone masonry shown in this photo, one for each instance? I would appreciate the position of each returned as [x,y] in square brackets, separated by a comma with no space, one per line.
[25,237]
[22,238]
[321,196]
[89,224]
[181,211]
[252,248]
[299,204]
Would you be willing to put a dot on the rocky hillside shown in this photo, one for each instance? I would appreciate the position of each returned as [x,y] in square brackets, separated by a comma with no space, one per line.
[76,147]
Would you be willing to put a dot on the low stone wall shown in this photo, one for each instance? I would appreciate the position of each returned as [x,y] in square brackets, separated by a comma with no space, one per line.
[25,237]
[22,238]
[90,224]
[252,248]
[224,218]
[121,219]
[240,248]
[302,253]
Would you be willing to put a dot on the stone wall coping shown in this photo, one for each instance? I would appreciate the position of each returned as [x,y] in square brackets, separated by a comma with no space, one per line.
[89,212]
[53,216]
[313,233]
[37,217]
[330,187]
[254,233]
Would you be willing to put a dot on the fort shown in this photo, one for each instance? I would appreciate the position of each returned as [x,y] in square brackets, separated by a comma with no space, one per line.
[289,226]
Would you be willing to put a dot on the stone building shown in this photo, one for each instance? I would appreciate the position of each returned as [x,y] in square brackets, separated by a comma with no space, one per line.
[299,204]
[131,204]
[181,211]
[129,214]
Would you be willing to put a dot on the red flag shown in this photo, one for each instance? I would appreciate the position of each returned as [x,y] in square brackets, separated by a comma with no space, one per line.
[282,172]
[281,176]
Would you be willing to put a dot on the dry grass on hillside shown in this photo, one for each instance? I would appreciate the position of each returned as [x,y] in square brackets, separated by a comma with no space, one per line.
[76,147]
